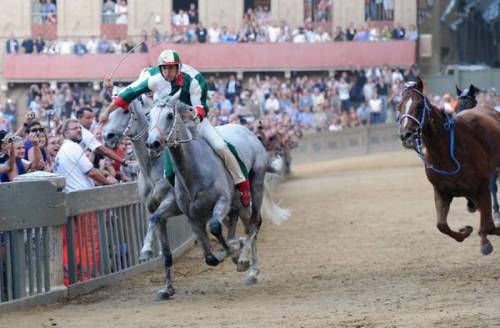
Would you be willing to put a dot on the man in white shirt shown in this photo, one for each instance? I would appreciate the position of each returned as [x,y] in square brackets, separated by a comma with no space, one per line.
[272,104]
[92,45]
[85,116]
[66,46]
[214,34]
[72,163]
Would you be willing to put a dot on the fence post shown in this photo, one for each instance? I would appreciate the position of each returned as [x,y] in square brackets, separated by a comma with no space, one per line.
[54,235]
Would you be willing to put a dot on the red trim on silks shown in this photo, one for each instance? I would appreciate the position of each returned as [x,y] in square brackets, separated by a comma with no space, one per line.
[244,188]
[200,111]
[180,79]
[121,103]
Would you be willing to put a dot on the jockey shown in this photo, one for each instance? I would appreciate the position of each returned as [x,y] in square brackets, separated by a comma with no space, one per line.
[169,76]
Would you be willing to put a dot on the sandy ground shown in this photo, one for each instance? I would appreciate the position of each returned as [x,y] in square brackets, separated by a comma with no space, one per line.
[361,250]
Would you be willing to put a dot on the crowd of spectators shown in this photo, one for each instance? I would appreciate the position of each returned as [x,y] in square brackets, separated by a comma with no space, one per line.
[268,105]
[67,46]
[257,25]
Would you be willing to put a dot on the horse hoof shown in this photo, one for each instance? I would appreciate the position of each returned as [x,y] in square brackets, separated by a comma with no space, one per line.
[251,280]
[164,294]
[145,256]
[211,260]
[467,230]
[486,249]
[243,266]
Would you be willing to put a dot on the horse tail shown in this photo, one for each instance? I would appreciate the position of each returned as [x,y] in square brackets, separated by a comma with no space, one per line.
[270,210]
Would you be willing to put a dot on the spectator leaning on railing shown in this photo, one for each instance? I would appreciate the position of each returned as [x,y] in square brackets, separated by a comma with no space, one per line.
[72,163]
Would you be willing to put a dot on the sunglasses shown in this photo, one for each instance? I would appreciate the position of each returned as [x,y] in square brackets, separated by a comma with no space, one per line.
[40,130]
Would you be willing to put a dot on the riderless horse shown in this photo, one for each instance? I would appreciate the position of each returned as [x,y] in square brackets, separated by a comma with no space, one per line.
[203,187]
[462,152]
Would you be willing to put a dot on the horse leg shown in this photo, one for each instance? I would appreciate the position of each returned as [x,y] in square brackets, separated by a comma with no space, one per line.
[201,234]
[442,202]
[167,208]
[486,225]
[493,190]
[165,293]
[471,207]
[234,244]
[219,212]
[248,257]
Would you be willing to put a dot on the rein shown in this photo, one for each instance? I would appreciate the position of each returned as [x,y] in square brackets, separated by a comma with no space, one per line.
[449,125]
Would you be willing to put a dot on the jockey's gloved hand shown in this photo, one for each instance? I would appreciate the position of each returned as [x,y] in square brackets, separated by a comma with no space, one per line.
[199,113]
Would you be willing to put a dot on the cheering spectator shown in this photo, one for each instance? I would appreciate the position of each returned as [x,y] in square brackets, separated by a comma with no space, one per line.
[28,45]
[399,32]
[39,44]
[201,33]
[108,12]
[339,34]
[193,14]
[350,32]
[92,45]
[80,48]
[12,45]
[412,33]
[72,163]
[121,12]
[66,46]
[214,34]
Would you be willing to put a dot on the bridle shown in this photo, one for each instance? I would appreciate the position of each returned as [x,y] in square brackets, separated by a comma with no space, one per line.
[129,126]
[449,125]
[177,126]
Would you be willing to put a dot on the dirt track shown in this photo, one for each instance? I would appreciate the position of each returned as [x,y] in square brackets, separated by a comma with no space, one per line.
[361,250]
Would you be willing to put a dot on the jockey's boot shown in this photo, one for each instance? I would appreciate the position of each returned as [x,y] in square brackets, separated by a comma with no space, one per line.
[244,188]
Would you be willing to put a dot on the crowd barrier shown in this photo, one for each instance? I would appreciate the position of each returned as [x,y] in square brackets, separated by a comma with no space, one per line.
[351,142]
[56,245]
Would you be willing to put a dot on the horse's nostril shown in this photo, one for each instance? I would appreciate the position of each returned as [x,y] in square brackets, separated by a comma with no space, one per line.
[153,145]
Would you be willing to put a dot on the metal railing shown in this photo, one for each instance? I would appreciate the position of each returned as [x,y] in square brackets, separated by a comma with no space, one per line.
[55,245]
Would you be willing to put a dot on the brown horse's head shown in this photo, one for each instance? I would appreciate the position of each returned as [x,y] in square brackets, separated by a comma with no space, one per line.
[466,98]
[414,112]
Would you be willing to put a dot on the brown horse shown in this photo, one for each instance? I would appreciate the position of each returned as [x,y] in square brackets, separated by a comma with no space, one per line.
[462,152]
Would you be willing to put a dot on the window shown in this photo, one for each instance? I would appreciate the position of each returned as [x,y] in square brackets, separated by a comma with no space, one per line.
[254,4]
[317,11]
[115,12]
[379,10]
[184,13]
[44,12]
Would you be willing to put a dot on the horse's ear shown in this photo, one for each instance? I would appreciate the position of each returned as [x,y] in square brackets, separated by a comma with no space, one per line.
[420,84]
[473,90]
[459,92]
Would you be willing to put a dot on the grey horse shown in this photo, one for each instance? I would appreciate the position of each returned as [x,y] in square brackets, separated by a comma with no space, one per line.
[154,190]
[204,189]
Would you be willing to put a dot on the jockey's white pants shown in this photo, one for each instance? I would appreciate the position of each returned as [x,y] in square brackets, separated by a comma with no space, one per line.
[215,140]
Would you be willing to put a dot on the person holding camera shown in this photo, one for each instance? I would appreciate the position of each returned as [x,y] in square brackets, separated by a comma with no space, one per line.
[17,164]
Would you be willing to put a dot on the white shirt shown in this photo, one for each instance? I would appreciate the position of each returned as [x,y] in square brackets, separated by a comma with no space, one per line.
[72,163]
[272,104]
[184,19]
[66,47]
[92,46]
[89,140]
[176,20]
[213,35]
[274,33]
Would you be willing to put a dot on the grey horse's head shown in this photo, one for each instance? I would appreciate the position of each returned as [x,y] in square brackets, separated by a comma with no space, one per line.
[121,123]
[171,124]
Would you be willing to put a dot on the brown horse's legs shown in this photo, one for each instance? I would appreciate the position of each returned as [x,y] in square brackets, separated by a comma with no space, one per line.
[442,202]
[486,225]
